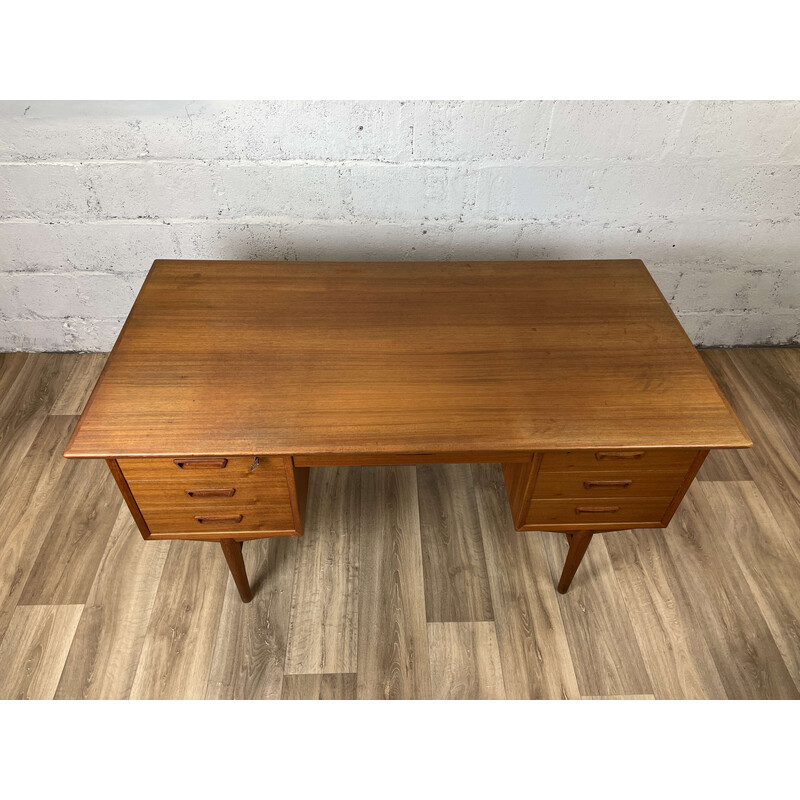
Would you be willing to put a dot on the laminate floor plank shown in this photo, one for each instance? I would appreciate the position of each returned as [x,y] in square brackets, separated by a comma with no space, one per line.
[25,405]
[43,485]
[108,641]
[179,644]
[11,365]
[775,384]
[773,396]
[465,661]
[453,560]
[787,357]
[532,642]
[724,465]
[604,649]
[769,557]
[393,660]
[78,386]
[338,687]
[250,647]
[33,651]
[748,660]
[674,650]
[323,630]
[330,686]
[71,552]
[619,697]
[772,461]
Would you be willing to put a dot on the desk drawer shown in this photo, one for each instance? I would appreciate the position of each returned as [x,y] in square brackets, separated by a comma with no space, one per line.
[582,511]
[156,496]
[194,468]
[592,485]
[213,521]
[616,460]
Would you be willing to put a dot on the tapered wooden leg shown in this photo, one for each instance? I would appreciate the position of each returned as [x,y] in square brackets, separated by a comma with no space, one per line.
[578,542]
[233,555]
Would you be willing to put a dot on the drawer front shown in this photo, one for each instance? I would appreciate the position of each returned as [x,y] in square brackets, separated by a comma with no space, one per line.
[213,521]
[582,511]
[269,491]
[592,485]
[194,469]
[616,460]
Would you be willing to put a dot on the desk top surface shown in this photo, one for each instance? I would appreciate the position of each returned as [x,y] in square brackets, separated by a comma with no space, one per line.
[238,357]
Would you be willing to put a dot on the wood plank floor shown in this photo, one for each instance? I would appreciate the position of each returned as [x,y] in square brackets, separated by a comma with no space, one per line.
[410,581]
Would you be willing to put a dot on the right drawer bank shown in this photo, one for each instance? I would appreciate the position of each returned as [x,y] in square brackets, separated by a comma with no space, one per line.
[599,489]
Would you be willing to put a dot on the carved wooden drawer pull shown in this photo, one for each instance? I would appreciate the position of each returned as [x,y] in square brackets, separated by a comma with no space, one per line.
[605,456]
[211,492]
[205,519]
[607,484]
[596,509]
[200,463]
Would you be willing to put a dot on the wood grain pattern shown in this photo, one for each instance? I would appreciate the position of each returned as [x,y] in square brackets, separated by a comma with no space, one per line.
[401,358]
[531,638]
[250,646]
[155,497]
[211,518]
[465,661]
[597,624]
[25,404]
[232,550]
[75,392]
[242,498]
[324,621]
[409,459]
[607,460]
[297,479]
[519,481]
[33,650]
[454,567]
[710,601]
[179,643]
[786,357]
[127,496]
[73,548]
[672,645]
[108,640]
[677,498]
[746,656]
[772,462]
[320,687]
[619,697]
[42,486]
[769,562]
[587,486]
[393,660]
[11,365]
[578,543]
[770,380]
[202,471]
[725,465]
[631,512]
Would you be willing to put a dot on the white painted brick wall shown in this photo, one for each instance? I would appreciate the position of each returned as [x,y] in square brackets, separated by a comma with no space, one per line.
[706,193]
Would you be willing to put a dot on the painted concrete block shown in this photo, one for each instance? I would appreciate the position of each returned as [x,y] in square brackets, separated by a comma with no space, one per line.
[480,130]
[584,130]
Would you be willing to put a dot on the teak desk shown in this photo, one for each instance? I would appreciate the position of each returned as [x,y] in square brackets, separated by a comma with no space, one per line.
[230,379]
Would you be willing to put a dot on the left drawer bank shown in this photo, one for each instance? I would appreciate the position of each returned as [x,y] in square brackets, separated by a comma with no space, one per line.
[213,497]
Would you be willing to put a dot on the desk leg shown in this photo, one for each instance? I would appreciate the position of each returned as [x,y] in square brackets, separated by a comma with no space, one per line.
[578,542]
[233,555]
